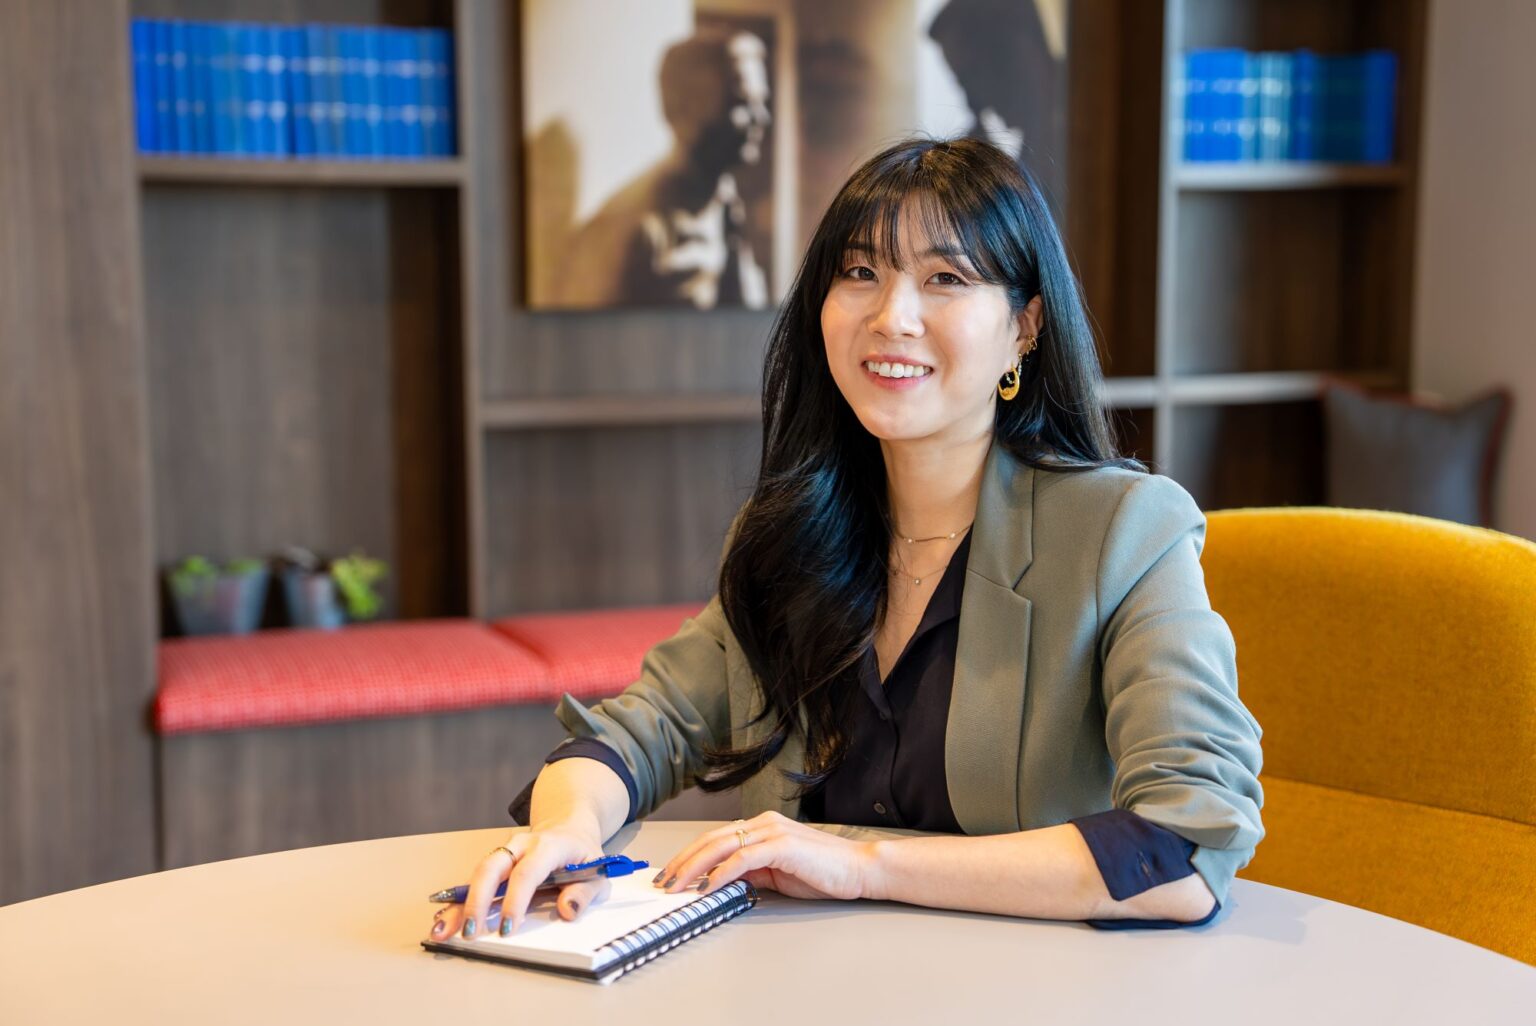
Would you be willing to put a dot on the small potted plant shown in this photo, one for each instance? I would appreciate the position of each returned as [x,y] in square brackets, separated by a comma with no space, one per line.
[328,594]
[210,599]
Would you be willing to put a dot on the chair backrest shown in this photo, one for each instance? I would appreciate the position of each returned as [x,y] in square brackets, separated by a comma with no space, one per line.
[1390,661]
[1383,653]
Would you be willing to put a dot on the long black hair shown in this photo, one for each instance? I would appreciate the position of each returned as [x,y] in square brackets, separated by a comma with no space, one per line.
[803,583]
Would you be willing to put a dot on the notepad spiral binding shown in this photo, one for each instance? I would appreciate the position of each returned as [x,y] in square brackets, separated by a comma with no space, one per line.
[658,936]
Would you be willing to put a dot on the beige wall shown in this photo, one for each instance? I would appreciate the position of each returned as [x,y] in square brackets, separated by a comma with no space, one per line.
[1476,282]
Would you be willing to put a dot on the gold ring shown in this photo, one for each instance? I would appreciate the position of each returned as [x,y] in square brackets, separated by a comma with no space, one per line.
[503,847]
[741,838]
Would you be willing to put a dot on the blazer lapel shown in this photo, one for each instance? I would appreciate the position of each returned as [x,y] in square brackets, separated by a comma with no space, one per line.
[983,738]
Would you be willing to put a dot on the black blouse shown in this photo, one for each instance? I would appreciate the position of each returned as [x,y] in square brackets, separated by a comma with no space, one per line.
[893,773]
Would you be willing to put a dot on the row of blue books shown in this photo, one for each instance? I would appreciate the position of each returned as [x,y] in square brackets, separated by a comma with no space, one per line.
[1301,105]
[306,91]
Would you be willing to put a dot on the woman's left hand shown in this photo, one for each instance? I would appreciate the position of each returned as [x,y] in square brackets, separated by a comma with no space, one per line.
[780,855]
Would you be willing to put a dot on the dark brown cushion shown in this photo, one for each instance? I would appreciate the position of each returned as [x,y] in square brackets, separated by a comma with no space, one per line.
[1409,455]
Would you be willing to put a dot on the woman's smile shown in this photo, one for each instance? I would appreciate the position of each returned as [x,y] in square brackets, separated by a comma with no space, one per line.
[897,375]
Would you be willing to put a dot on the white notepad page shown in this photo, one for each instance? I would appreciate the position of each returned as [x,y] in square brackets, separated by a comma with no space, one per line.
[547,939]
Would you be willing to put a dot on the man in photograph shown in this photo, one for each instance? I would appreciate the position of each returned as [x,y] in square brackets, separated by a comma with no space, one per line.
[679,233]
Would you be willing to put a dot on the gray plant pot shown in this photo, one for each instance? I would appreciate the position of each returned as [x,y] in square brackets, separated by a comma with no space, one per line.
[312,599]
[227,604]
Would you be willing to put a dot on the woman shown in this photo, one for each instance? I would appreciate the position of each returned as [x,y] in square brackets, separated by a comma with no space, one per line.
[947,606]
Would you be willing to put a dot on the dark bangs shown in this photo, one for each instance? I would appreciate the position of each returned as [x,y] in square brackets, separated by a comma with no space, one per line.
[952,209]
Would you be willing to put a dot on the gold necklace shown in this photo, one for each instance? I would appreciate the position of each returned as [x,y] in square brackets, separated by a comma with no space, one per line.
[951,536]
[917,582]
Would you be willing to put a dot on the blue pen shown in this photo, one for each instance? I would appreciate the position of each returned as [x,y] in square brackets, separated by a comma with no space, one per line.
[573,872]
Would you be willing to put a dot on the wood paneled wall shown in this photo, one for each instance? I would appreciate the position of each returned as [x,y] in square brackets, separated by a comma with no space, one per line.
[77,626]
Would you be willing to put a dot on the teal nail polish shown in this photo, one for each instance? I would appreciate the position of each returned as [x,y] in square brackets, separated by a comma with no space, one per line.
[469,929]
[670,881]
[506,927]
[657,878]
[702,886]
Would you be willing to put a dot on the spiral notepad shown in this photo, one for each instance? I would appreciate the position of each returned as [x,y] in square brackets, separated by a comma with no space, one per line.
[637,923]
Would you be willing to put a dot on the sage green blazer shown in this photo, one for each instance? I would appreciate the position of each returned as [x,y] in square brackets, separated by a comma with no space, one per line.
[1091,673]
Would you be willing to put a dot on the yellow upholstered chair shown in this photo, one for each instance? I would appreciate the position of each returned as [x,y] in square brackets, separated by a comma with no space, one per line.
[1391,662]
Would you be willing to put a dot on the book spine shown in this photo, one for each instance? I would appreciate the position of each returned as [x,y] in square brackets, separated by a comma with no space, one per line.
[325,85]
[1285,83]
[449,93]
[354,137]
[165,88]
[1304,106]
[201,87]
[1380,105]
[412,145]
[181,79]
[443,101]
[1192,125]
[142,40]
[253,110]
[300,102]
[275,86]
[373,92]
[424,93]
[1248,123]
[218,91]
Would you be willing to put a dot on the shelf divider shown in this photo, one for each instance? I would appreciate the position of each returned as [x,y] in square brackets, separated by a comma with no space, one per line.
[432,174]
[1252,176]
[617,411]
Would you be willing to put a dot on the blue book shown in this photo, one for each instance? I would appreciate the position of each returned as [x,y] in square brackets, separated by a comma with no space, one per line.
[300,114]
[275,88]
[411,137]
[316,71]
[253,105]
[426,113]
[1379,105]
[181,89]
[440,51]
[1304,106]
[1192,125]
[1226,105]
[224,62]
[354,127]
[1248,122]
[143,49]
[372,44]
[165,88]
[400,91]
[199,45]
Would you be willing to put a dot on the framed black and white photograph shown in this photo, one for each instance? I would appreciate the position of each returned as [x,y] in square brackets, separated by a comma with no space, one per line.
[679,152]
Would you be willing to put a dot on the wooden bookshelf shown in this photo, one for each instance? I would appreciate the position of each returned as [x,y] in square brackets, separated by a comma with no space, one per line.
[1272,275]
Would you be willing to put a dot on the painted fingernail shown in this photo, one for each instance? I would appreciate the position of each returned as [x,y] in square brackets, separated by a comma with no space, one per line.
[670,881]
[702,886]
[439,928]
[469,928]
[657,878]
[575,907]
[506,927]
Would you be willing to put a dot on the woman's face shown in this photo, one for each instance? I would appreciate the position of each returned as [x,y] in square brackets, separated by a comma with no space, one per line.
[948,335]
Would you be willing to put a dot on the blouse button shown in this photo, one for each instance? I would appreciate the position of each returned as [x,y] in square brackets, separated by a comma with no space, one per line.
[880,808]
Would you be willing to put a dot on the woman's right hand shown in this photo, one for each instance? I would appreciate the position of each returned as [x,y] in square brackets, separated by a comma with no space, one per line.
[535,853]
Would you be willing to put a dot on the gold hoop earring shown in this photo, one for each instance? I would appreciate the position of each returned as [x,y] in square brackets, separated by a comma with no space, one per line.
[1009,386]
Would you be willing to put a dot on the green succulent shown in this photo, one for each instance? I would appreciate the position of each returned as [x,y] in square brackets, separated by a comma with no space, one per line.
[355,576]
[193,571]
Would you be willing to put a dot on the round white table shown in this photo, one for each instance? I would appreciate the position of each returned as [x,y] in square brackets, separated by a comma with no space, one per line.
[331,935]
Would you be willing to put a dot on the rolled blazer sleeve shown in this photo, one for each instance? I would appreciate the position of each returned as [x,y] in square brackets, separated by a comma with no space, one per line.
[1186,750]
[661,724]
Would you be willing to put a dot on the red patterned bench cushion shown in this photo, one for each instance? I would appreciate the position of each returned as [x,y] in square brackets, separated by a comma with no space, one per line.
[294,676]
[597,653]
